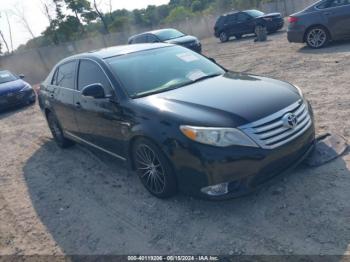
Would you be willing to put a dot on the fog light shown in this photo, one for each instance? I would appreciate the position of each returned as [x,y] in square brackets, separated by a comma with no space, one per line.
[216,190]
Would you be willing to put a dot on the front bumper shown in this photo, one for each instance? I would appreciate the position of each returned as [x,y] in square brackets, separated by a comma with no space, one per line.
[17,99]
[199,166]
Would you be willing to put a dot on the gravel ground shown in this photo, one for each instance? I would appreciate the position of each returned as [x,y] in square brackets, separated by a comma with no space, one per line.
[78,201]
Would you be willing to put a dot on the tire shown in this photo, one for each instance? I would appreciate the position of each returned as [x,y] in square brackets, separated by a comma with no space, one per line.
[317,37]
[57,132]
[154,169]
[238,36]
[223,37]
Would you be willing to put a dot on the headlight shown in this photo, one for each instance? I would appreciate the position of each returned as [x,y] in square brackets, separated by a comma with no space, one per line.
[26,87]
[221,137]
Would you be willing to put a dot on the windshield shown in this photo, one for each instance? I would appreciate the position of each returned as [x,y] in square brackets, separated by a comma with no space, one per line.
[168,34]
[254,13]
[6,76]
[158,70]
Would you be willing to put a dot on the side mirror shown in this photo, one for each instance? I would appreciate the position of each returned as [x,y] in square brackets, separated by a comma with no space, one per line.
[21,76]
[94,90]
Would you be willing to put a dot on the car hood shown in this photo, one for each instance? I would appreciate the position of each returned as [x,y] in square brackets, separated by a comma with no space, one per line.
[182,40]
[12,87]
[229,100]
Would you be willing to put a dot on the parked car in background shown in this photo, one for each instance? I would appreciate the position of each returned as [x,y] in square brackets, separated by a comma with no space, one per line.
[239,23]
[14,91]
[171,36]
[320,23]
[180,120]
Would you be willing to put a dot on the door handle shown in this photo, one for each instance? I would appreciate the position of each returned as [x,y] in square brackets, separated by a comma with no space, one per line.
[77,105]
[327,13]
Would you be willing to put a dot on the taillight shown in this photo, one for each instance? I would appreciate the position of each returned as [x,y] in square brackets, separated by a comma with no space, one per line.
[292,19]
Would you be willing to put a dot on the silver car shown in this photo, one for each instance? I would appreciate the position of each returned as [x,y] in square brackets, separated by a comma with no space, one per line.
[320,23]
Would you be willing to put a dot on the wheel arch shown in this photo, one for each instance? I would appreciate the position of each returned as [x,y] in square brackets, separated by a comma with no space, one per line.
[132,142]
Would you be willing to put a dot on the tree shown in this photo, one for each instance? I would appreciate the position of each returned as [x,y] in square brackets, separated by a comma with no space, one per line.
[178,14]
[197,6]
[79,8]
[101,16]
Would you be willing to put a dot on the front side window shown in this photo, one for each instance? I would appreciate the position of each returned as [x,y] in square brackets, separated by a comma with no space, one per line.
[161,69]
[140,39]
[91,73]
[151,39]
[242,17]
[6,76]
[65,75]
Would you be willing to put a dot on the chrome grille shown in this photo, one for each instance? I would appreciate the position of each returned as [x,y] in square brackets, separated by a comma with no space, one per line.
[270,132]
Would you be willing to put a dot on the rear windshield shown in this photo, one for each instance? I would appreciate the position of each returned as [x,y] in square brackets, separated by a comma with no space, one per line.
[6,76]
[159,70]
[168,34]
[254,13]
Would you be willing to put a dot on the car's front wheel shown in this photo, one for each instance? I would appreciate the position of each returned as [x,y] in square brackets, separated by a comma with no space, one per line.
[317,37]
[57,132]
[223,37]
[154,169]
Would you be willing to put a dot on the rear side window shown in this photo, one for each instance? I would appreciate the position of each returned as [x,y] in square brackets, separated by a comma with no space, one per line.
[91,73]
[333,3]
[65,75]
[231,18]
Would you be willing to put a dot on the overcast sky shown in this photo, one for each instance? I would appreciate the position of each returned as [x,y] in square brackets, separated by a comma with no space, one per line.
[38,22]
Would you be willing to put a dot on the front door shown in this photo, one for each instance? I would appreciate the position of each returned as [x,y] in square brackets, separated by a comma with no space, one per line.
[99,120]
[338,16]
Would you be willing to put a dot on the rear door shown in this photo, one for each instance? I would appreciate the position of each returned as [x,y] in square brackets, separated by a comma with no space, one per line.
[99,120]
[62,92]
[230,24]
[337,13]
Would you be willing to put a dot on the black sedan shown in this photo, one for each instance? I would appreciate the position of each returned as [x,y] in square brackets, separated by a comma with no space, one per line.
[239,23]
[180,120]
[171,36]
[14,91]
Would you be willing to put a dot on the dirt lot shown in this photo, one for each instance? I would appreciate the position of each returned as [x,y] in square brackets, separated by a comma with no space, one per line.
[78,201]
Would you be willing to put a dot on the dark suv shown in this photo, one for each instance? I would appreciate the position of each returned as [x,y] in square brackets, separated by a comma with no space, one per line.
[320,23]
[179,119]
[241,23]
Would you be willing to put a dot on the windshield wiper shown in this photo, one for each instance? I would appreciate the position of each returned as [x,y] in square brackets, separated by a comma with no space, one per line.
[204,77]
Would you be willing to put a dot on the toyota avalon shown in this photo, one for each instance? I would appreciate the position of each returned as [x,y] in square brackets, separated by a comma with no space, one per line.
[179,119]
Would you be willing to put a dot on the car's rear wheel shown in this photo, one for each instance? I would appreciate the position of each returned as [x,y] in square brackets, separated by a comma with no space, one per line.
[57,132]
[223,37]
[317,37]
[154,169]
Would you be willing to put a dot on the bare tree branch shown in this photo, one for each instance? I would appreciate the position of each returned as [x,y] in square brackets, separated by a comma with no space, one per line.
[20,14]
[101,16]
[10,31]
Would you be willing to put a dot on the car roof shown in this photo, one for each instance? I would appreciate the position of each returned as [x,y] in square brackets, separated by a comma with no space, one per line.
[153,32]
[116,51]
